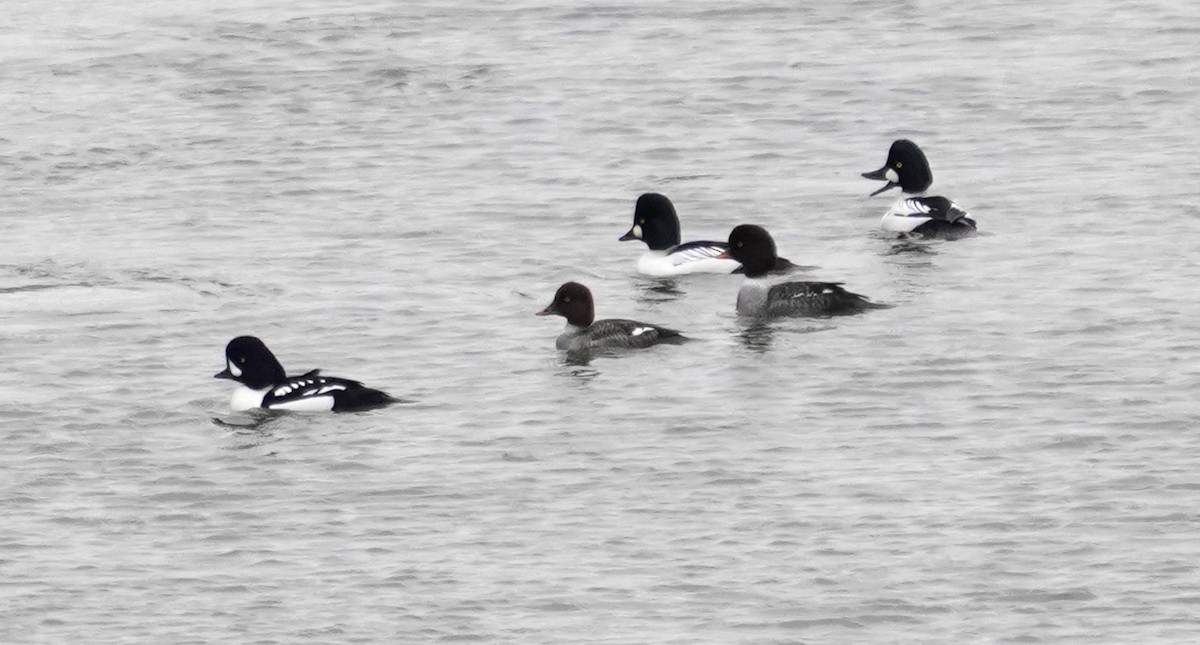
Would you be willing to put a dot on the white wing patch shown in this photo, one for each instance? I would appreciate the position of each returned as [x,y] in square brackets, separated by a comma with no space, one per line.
[296,386]
[638,331]
[694,254]
[307,395]
[912,208]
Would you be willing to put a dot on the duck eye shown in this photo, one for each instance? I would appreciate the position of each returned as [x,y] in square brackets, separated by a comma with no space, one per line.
[899,164]
[740,244]
[642,221]
[567,299]
[242,360]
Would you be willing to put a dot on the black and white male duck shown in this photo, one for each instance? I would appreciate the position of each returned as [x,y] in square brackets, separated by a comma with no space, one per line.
[914,213]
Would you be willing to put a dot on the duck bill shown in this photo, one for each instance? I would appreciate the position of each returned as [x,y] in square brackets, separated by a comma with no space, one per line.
[548,311]
[633,234]
[890,185]
[723,255]
[880,175]
[224,374]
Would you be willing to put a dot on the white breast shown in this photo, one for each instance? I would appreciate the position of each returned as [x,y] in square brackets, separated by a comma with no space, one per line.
[245,398]
[752,296]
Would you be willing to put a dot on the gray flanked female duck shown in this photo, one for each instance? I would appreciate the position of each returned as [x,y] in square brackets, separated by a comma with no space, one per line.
[583,332]
[754,247]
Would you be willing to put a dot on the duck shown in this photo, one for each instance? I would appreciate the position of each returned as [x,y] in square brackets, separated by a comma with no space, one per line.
[754,247]
[583,332]
[656,224]
[914,213]
[264,384]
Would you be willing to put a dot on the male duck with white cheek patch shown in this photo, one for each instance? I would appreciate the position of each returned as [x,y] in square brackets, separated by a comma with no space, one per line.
[265,385]
[656,224]
[914,213]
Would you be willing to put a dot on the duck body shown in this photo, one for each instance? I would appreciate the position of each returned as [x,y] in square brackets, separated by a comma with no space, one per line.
[693,257]
[758,296]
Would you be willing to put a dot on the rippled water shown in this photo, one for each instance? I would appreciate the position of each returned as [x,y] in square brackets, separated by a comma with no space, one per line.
[390,192]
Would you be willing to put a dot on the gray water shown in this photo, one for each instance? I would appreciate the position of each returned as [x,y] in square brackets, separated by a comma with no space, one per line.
[389,191]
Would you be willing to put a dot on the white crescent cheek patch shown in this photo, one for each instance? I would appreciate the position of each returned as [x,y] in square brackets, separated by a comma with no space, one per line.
[891,175]
[637,231]
[234,369]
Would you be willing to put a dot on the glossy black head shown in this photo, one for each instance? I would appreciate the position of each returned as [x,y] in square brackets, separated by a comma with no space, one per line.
[249,362]
[906,167]
[754,247]
[654,222]
[573,301]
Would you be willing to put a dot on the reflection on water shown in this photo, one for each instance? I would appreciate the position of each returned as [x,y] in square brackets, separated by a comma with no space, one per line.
[758,334]
[251,429]
[652,290]
[911,246]
[252,420]
[577,365]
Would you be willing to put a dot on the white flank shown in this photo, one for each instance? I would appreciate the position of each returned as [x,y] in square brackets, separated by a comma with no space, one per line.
[904,216]
[659,263]
[308,404]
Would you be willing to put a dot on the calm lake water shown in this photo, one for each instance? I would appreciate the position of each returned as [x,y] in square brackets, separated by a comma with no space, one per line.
[389,191]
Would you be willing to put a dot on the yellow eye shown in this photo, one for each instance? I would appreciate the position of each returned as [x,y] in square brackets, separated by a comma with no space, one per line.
[242,360]
[642,221]
[899,164]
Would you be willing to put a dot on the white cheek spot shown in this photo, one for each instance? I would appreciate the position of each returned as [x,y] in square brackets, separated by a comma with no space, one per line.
[234,369]
[891,175]
[637,231]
